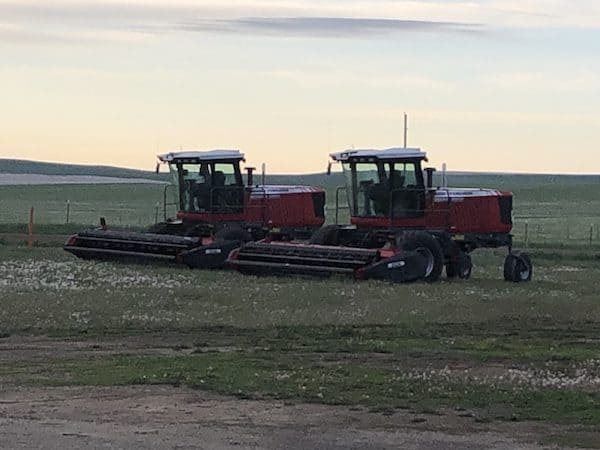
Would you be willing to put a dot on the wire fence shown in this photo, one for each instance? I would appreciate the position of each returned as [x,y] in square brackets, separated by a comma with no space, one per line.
[84,213]
[579,230]
[527,230]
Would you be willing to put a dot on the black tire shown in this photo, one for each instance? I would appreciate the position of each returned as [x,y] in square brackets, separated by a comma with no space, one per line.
[465,266]
[461,266]
[233,234]
[425,244]
[451,254]
[451,270]
[327,235]
[518,267]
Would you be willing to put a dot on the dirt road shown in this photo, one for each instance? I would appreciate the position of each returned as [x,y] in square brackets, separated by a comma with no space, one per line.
[136,417]
[179,418]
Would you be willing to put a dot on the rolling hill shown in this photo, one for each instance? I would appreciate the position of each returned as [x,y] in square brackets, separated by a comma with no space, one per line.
[461,179]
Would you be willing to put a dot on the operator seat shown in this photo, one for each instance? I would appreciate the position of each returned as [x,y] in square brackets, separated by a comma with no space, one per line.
[364,189]
[201,190]
[218,192]
[400,195]
[379,193]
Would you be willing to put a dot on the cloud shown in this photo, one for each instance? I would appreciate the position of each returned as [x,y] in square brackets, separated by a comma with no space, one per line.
[61,20]
[325,26]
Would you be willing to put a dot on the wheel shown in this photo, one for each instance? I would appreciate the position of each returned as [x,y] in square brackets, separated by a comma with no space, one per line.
[460,267]
[327,235]
[233,233]
[451,270]
[518,267]
[426,245]
[465,266]
[452,253]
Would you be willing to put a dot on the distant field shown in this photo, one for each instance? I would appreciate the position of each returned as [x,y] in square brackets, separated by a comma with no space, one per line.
[547,208]
[28,179]
[127,205]
[16,166]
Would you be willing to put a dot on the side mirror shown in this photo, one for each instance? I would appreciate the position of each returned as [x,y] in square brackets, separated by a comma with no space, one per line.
[329,168]
[429,171]
[250,171]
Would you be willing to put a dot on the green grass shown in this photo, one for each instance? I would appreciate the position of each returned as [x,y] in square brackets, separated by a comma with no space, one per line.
[132,205]
[182,299]
[554,209]
[323,378]
[426,347]
[45,168]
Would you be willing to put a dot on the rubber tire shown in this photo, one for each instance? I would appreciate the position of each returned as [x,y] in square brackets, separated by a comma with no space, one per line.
[232,234]
[413,240]
[451,270]
[461,267]
[452,253]
[327,235]
[465,266]
[518,267]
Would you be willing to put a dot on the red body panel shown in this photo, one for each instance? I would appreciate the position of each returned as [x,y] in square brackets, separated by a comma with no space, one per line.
[287,209]
[270,206]
[454,214]
[477,215]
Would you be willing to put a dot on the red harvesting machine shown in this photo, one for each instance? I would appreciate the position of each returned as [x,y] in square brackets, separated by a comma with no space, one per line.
[217,212]
[402,228]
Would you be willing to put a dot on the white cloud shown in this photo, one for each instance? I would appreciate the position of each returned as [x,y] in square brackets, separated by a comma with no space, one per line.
[64,19]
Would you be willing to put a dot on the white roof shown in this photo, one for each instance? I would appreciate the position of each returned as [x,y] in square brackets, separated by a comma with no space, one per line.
[388,153]
[207,155]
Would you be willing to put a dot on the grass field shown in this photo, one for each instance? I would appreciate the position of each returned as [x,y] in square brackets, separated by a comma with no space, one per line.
[497,351]
[493,351]
[545,212]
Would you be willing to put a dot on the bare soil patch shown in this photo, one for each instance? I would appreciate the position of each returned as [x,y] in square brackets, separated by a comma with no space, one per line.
[179,417]
[166,417]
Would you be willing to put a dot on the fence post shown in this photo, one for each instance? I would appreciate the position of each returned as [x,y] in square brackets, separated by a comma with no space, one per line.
[68,211]
[526,233]
[156,212]
[591,233]
[30,229]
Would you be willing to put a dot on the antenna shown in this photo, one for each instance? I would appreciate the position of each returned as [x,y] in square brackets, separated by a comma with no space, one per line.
[444,176]
[405,129]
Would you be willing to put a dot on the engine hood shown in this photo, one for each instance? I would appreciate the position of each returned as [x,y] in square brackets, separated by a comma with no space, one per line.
[449,194]
[283,189]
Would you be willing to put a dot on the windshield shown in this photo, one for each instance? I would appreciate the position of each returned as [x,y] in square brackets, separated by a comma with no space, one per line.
[375,187]
[209,186]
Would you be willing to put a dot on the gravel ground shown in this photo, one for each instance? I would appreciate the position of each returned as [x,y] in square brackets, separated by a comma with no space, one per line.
[136,417]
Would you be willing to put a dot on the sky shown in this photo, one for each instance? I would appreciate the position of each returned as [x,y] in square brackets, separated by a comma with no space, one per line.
[490,85]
